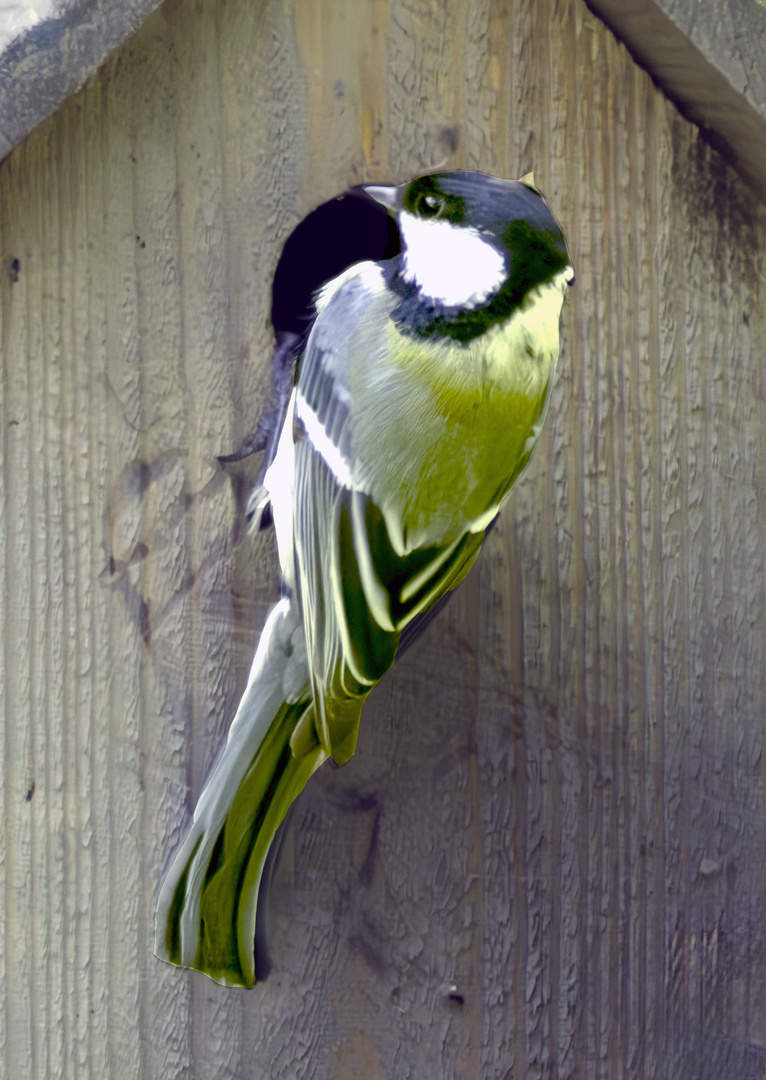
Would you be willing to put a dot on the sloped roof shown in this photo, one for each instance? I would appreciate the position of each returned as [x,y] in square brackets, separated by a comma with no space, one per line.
[709,57]
[706,55]
[49,48]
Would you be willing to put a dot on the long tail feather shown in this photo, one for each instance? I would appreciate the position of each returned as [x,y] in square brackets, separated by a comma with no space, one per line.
[206,911]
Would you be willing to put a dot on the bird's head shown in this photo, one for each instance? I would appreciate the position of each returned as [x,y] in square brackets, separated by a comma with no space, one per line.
[468,237]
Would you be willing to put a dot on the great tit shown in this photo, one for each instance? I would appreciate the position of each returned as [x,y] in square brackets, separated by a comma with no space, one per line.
[421,388]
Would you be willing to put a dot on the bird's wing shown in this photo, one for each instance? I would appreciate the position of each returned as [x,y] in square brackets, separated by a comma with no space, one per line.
[357,591]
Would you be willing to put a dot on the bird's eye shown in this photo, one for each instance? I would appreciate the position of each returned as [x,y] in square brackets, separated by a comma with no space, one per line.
[430,206]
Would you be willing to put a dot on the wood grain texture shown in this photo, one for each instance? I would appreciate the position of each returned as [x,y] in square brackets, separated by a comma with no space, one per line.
[546,858]
[706,57]
[48,50]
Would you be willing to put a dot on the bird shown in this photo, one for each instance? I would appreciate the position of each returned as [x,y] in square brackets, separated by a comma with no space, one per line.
[412,387]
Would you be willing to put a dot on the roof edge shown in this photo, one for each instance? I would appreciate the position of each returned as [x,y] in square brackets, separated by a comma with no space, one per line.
[710,85]
[54,57]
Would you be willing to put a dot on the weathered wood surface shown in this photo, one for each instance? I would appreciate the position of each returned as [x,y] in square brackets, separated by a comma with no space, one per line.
[49,49]
[547,857]
[708,57]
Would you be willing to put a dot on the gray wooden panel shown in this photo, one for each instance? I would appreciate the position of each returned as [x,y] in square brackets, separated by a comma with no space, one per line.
[48,50]
[708,58]
[546,858]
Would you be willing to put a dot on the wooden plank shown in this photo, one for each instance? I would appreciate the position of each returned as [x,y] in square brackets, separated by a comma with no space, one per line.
[17,1026]
[56,52]
[545,858]
[708,59]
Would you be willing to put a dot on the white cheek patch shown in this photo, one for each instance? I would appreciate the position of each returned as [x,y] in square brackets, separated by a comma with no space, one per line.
[451,264]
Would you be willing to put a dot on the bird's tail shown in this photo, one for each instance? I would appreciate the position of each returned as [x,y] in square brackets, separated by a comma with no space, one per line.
[207,905]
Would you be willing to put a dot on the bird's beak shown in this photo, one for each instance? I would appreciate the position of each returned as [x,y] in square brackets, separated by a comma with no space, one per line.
[388,196]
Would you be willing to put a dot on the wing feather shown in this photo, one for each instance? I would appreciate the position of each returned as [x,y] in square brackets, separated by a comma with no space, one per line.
[357,591]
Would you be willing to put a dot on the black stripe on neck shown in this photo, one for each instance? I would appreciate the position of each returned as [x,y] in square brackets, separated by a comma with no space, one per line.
[536,256]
